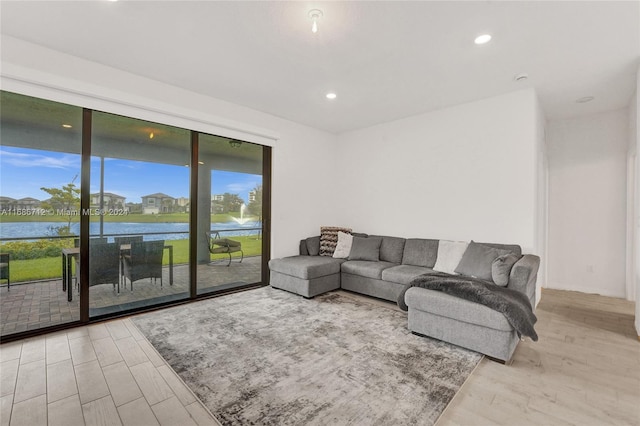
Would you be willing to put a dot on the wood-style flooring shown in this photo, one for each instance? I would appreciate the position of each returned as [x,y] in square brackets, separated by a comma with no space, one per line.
[584,370]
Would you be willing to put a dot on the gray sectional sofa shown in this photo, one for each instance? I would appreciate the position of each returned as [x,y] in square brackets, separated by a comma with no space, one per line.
[385,274]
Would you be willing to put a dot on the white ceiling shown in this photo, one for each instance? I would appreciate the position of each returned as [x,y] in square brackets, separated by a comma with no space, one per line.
[385,60]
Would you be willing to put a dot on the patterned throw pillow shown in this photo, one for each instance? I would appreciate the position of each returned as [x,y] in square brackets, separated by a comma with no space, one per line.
[329,239]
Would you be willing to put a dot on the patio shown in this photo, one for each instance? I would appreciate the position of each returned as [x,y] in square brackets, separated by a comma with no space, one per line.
[34,305]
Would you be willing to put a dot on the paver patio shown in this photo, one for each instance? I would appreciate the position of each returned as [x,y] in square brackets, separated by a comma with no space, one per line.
[34,305]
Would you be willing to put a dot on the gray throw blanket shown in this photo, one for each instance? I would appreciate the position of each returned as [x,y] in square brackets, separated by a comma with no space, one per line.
[514,305]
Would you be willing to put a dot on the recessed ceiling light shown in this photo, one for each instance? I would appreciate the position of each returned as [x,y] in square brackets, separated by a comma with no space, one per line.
[331,95]
[585,99]
[67,126]
[482,39]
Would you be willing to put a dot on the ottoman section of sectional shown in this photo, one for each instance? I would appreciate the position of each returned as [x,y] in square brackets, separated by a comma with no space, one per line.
[307,276]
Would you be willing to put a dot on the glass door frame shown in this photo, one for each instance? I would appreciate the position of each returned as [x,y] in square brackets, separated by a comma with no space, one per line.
[84,255]
[85,198]
[193,217]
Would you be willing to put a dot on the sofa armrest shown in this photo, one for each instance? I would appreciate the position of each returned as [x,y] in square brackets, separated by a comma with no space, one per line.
[524,274]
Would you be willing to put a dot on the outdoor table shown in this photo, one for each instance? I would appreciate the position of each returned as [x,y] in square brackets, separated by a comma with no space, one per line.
[69,254]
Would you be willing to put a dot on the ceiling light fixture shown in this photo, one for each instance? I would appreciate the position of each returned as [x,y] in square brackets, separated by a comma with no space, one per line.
[521,77]
[234,143]
[315,14]
[331,95]
[67,126]
[585,99]
[482,39]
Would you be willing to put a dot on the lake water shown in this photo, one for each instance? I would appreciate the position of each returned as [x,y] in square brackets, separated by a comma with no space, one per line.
[161,231]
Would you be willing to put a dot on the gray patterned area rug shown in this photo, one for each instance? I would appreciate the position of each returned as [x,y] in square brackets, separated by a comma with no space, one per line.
[268,357]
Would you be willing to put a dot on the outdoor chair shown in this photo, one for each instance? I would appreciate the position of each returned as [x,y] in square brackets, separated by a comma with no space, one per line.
[143,261]
[4,269]
[92,242]
[128,239]
[120,241]
[219,245]
[104,263]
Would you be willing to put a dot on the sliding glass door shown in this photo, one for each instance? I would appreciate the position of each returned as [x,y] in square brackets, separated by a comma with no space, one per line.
[39,211]
[139,247]
[102,214]
[230,213]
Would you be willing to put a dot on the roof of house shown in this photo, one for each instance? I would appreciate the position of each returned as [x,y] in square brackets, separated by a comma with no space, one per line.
[158,195]
[108,194]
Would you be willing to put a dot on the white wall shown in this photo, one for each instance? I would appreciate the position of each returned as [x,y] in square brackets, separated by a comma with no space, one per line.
[587,203]
[461,173]
[299,154]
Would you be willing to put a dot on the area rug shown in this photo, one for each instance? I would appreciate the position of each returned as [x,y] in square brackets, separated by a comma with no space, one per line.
[268,357]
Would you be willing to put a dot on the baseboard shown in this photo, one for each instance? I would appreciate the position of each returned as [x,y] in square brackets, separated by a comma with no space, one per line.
[596,291]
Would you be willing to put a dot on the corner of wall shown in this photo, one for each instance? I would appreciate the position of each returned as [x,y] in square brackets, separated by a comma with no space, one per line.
[541,194]
[636,248]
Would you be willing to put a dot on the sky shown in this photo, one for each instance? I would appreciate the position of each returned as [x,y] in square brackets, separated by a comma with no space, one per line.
[24,171]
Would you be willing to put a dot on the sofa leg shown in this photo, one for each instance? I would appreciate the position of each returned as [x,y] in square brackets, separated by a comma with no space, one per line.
[501,361]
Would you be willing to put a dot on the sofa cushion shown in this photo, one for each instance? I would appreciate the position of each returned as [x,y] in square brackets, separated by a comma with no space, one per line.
[420,252]
[306,267]
[343,248]
[366,269]
[449,255]
[449,306]
[365,249]
[404,274]
[329,239]
[501,268]
[391,249]
[313,245]
[477,260]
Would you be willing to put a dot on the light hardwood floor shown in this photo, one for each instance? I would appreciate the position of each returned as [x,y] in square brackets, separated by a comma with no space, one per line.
[584,370]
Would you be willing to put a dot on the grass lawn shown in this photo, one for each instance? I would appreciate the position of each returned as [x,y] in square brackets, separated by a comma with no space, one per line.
[51,267]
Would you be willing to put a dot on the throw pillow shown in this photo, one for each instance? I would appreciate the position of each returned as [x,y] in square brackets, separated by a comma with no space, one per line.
[420,252]
[449,255]
[344,246]
[365,249]
[391,248]
[477,260]
[329,239]
[501,268]
[313,245]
